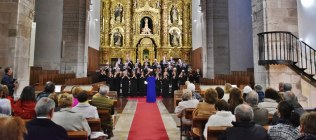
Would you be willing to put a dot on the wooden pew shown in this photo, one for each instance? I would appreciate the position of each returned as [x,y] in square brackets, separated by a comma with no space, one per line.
[187,113]
[95,124]
[199,122]
[214,131]
[77,135]
[105,116]
[177,97]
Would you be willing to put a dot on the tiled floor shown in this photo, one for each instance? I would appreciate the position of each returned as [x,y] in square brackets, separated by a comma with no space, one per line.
[125,114]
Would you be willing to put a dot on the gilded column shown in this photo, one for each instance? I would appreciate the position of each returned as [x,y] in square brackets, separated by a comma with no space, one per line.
[106,19]
[128,21]
[164,33]
[186,19]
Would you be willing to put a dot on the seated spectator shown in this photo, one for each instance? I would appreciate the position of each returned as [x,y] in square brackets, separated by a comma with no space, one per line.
[102,101]
[223,116]
[69,119]
[290,97]
[261,115]
[287,124]
[84,107]
[244,128]
[187,102]
[260,92]
[41,127]
[24,107]
[54,96]
[6,95]
[235,99]
[227,89]
[220,92]
[48,89]
[308,126]
[245,91]
[205,108]
[75,90]
[270,102]
[12,128]
[195,95]
[5,105]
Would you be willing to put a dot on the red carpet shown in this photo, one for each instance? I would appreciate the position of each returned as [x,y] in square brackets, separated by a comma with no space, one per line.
[147,123]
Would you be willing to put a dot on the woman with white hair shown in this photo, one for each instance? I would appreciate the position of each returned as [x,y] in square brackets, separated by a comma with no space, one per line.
[187,102]
[195,95]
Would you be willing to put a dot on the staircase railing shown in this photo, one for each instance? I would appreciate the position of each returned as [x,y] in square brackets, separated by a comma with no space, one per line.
[280,47]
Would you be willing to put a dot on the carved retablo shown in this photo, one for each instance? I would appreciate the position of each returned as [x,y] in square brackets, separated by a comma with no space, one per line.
[145,29]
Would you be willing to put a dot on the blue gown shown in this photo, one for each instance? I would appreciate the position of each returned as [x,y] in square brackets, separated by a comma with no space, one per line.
[151,89]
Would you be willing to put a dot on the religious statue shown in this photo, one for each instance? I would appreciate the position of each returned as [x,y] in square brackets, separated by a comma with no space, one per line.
[146,29]
[158,6]
[135,4]
[117,36]
[174,14]
[118,13]
[174,38]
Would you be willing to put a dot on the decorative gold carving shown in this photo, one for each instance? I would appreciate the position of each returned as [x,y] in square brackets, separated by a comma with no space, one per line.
[147,28]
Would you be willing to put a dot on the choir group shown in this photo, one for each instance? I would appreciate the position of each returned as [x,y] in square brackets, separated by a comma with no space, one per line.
[128,78]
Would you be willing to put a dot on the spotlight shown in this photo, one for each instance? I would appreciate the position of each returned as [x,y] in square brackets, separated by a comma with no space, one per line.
[307,3]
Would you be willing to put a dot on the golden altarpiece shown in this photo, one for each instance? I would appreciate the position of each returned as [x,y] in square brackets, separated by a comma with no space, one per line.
[144,29]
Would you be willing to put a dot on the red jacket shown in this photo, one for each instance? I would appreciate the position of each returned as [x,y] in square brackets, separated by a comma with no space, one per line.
[25,109]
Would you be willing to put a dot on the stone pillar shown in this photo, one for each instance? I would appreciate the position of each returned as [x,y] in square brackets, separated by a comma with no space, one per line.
[271,15]
[74,56]
[208,16]
[16,23]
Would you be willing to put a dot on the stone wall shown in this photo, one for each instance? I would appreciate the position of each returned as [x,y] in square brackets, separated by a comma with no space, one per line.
[305,92]
[271,15]
[74,52]
[48,42]
[15,34]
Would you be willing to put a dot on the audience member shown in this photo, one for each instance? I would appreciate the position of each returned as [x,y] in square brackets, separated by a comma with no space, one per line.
[205,108]
[75,90]
[245,91]
[54,96]
[287,124]
[48,89]
[6,95]
[260,114]
[223,116]
[84,107]
[290,97]
[187,102]
[244,128]
[102,101]
[270,102]
[12,128]
[5,105]
[227,89]
[67,118]
[220,92]
[24,107]
[195,95]
[287,87]
[260,92]
[281,87]
[41,127]
[235,99]
[9,81]
[308,126]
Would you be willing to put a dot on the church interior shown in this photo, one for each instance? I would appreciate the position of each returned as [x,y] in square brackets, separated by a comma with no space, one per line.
[86,49]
